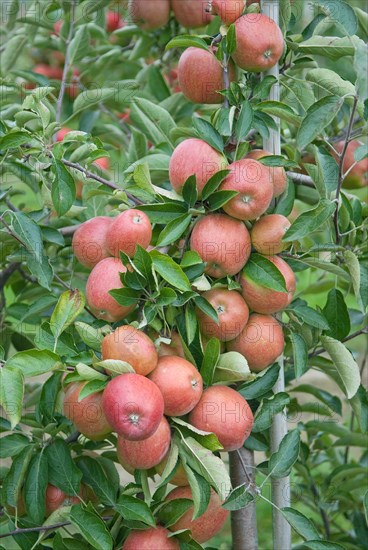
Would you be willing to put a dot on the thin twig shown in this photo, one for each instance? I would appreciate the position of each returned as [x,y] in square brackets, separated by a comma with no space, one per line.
[7,273]
[43,528]
[341,170]
[10,231]
[350,337]
[66,63]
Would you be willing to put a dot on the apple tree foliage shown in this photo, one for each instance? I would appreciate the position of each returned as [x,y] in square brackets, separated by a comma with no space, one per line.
[47,329]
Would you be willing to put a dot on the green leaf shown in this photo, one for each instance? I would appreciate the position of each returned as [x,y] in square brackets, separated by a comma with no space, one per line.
[91,527]
[210,359]
[282,461]
[39,268]
[187,41]
[189,191]
[264,273]
[310,221]
[93,386]
[361,70]
[89,98]
[331,82]
[14,139]
[172,510]
[300,354]
[170,271]
[239,498]
[232,367]
[33,362]
[218,199]
[63,472]
[164,213]
[328,46]
[125,296]
[347,368]
[269,408]
[325,397]
[320,545]
[14,478]
[95,477]
[244,122]
[281,111]
[35,488]
[307,314]
[89,335]
[201,491]
[11,393]
[341,14]
[134,509]
[364,285]
[206,439]
[352,263]
[29,233]
[208,133]
[63,188]
[262,385]
[337,315]
[328,171]
[115,365]
[174,230]
[327,266]
[231,39]
[318,116]
[45,409]
[13,444]
[70,304]
[154,121]
[213,183]
[301,524]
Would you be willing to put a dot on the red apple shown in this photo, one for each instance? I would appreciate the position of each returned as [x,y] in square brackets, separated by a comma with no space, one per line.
[261,342]
[87,415]
[259,42]
[102,162]
[129,344]
[194,156]
[149,15]
[358,176]
[89,241]
[228,10]
[208,524]
[56,498]
[255,190]
[277,174]
[154,538]
[53,73]
[174,348]
[103,278]
[62,133]
[191,13]
[147,453]
[224,412]
[180,384]
[179,478]
[201,76]
[232,314]
[133,406]
[267,234]
[129,229]
[265,300]
[223,243]
[114,21]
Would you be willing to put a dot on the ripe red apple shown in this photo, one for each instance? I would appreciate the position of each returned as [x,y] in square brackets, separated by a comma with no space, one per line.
[194,156]
[224,412]
[277,174]
[191,13]
[228,10]
[114,21]
[261,342]
[358,176]
[267,234]
[154,538]
[232,313]
[62,133]
[149,15]
[89,241]
[201,76]
[180,383]
[174,348]
[223,243]
[208,524]
[133,406]
[53,73]
[129,229]
[103,278]
[72,87]
[147,453]
[255,190]
[259,42]
[102,162]
[129,344]
[179,478]
[56,498]
[266,300]
[87,415]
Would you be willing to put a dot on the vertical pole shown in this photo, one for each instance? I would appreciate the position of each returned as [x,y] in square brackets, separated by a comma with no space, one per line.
[244,521]
[280,487]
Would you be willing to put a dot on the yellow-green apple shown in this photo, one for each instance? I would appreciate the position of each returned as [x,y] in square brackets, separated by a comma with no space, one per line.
[208,524]
[267,234]
[147,453]
[223,243]
[228,10]
[255,190]
[133,406]
[179,382]
[154,538]
[89,241]
[149,15]
[224,412]
[174,348]
[129,229]
[232,313]
[261,342]
[129,344]
[277,174]
[194,157]
[266,300]
[201,76]
[191,13]
[259,42]
[103,278]
[87,414]
[179,478]
[358,176]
